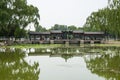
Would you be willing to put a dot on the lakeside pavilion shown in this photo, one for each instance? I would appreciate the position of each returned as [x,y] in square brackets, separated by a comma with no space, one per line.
[58,36]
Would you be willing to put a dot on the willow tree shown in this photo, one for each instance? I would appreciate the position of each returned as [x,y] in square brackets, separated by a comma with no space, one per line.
[114,19]
[97,21]
[39,28]
[106,19]
[15,15]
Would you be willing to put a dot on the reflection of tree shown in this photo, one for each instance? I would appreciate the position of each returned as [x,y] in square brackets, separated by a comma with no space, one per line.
[66,56]
[106,65]
[63,50]
[14,67]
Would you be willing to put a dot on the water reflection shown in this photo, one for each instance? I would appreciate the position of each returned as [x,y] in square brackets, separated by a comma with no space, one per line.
[106,65]
[14,67]
[65,52]
[101,61]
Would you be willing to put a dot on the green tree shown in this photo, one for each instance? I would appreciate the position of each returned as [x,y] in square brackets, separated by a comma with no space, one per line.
[106,19]
[19,33]
[97,21]
[72,27]
[114,20]
[39,28]
[14,14]
[59,27]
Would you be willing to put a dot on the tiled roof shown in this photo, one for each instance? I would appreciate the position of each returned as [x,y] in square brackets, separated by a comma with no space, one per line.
[93,32]
[59,31]
[56,31]
[37,33]
[77,31]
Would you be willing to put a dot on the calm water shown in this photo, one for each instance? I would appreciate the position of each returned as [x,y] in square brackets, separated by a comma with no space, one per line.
[63,63]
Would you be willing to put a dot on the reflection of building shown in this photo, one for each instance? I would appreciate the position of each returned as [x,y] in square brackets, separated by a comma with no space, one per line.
[66,36]
[65,53]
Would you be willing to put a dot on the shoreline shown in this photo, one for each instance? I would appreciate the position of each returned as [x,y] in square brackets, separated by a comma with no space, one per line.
[60,45]
[106,44]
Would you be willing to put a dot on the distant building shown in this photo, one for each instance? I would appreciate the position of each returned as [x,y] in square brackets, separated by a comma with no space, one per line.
[58,35]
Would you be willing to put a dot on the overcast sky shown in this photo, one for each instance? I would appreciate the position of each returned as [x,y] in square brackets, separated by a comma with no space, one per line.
[66,12]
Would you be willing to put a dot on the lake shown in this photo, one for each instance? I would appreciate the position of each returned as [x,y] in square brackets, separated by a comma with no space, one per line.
[60,63]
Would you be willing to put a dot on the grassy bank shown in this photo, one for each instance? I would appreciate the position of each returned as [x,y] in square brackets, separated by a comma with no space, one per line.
[107,45]
[60,45]
[34,46]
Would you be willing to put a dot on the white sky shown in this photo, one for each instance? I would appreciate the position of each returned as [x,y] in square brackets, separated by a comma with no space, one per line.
[66,12]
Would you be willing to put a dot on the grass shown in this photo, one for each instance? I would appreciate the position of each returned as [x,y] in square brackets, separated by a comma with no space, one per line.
[107,45]
[34,46]
[58,45]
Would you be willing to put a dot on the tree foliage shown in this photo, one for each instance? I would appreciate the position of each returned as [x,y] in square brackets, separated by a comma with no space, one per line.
[64,27]
[16,14]
[39,28]
[72,27]
[59,27]
[106,19]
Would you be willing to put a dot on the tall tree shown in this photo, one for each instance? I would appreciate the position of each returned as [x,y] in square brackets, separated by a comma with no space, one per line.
[39,28]
[97,21]
[59,27]
[106,19]
[72,27]
[114,6]
[16,14]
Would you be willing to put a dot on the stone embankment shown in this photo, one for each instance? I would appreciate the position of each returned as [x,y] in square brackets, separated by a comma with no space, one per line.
[2,43]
